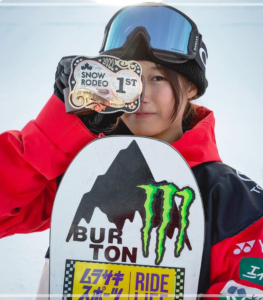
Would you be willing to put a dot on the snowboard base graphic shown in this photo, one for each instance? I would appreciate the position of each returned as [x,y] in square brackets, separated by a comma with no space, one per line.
[127,223]
[142,281]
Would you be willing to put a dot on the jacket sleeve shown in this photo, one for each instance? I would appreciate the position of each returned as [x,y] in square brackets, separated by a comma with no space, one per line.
[236,265]
[31,160]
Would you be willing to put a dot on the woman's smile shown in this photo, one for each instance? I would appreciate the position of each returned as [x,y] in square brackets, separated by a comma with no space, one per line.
[142,115]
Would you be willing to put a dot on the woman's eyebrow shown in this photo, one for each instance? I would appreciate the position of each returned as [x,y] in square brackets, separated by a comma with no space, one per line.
[156,68]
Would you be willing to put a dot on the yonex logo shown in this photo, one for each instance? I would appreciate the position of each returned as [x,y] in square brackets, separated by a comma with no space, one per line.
[246,247]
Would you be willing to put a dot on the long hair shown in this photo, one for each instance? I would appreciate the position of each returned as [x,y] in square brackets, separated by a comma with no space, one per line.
[179,85]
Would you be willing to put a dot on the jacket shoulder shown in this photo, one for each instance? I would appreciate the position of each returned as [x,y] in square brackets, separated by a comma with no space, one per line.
[232,201]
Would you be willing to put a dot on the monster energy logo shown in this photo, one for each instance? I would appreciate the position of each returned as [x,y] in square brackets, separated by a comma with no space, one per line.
[170,190]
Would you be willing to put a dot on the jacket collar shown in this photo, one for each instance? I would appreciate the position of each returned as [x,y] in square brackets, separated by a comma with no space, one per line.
[198,145]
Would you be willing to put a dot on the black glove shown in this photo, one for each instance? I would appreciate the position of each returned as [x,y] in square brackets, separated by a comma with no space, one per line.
[95,122]
[62,75]
[101,123]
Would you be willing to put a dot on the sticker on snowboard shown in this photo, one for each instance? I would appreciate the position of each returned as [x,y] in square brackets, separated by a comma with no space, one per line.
[127,223]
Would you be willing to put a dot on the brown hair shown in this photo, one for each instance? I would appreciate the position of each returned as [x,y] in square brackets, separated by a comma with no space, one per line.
[179,85]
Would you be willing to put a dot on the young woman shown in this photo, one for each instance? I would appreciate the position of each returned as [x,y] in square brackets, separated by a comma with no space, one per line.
[173,58]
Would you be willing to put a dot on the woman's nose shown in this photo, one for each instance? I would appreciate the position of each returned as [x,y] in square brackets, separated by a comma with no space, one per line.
[145,91]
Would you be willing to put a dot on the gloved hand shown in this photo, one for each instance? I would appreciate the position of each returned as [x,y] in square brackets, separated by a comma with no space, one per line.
[62,75]
[95,122]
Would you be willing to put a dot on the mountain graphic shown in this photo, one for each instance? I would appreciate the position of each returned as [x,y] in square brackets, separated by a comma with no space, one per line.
[116,194]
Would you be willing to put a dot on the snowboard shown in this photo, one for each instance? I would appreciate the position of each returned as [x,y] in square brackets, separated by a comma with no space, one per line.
[127,223]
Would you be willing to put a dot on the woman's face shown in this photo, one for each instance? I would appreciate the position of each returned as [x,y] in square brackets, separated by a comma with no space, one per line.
[153,118]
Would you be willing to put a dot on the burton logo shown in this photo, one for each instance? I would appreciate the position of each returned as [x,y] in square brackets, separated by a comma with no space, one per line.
[127,187]
[168,191]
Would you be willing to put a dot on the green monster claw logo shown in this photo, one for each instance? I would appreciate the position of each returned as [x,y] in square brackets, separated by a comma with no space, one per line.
[170,190]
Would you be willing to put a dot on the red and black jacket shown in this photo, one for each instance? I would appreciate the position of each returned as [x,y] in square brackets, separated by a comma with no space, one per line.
[32,159]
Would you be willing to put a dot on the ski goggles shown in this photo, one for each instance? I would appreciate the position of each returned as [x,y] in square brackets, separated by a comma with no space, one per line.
[171,35]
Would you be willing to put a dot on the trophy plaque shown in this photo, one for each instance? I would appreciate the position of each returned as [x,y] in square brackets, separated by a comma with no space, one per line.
[104,84]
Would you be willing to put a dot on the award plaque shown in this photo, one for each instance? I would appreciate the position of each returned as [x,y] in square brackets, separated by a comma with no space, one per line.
[104,84]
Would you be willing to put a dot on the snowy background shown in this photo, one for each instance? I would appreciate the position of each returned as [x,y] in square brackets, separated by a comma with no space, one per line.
[35,36]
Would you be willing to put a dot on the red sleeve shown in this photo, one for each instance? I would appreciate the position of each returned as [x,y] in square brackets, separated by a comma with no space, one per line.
[237,265]
[30,162]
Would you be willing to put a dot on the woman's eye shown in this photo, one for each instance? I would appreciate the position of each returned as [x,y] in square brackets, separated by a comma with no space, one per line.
[157,78]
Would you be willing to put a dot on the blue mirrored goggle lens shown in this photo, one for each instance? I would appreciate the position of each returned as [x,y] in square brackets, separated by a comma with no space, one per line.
[168,29]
